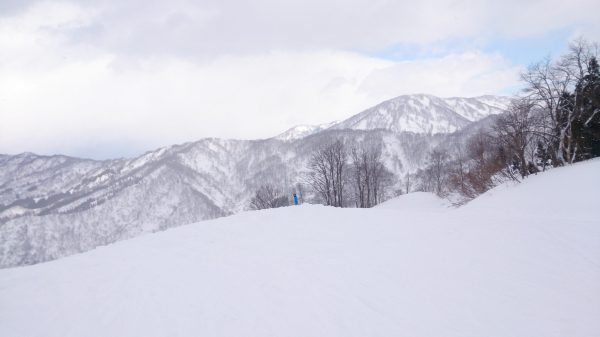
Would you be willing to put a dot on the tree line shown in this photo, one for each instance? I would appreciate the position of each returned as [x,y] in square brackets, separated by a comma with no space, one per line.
[555,122]
[340,175]
[352,176]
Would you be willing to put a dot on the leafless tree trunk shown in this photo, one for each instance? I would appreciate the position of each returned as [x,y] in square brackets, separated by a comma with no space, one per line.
[438,169]
[377,172]
[327,169]
[458,175]
[358,177]
[515,130]
[369,176]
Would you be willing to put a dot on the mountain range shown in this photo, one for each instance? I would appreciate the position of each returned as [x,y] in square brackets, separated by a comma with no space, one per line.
[53,206]
[425,114]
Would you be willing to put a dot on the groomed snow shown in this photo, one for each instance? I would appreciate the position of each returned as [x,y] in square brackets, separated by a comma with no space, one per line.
[521,261]
[416,202]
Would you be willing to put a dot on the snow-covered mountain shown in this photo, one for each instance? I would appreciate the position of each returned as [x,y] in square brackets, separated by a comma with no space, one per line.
[301,131]
[425,113]
[52,206]
[520,260]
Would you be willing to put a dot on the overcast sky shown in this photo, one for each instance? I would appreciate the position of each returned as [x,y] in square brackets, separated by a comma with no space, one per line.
[111,78]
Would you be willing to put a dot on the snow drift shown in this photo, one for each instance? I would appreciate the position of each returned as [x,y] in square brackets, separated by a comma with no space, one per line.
[520,261]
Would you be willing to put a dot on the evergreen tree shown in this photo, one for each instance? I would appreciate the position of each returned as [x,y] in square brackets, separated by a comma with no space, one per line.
[586,127]
[563,143]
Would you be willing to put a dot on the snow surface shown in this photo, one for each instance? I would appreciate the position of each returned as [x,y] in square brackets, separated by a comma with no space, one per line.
[416,202]
[522,260]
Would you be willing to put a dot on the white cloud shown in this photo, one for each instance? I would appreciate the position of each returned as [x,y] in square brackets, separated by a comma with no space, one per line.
[115,78]
[465,74]
[80,105]
[211,27]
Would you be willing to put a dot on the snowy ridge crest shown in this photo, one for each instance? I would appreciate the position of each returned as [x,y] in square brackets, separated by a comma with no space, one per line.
[423,113]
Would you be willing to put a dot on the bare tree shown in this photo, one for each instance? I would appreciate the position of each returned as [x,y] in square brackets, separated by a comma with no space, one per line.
[318,176]
[359,176]
[338,158]
[546,82]
[515,130]
[327,173]
[438,161]
[381,177]
[476,168]
[267,196]
[370,177]
[487,160]
[549,86]
[458,173]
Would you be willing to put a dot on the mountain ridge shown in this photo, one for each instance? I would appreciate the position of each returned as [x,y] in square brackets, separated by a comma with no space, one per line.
[418,113]
[422,113]
[52,206]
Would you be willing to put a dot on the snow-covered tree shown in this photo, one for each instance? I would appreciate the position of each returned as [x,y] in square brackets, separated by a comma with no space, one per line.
[556,89]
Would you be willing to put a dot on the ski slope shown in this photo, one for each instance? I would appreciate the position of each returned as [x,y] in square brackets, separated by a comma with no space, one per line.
[522,260]
[416,202]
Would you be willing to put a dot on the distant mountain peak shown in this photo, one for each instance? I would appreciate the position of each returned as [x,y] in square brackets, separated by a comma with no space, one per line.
[301,131]
[53,206]
[424,113]
[417,113]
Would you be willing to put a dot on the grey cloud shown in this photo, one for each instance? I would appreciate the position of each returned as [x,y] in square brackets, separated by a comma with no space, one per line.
[12,7]
[200,28]
[163,72]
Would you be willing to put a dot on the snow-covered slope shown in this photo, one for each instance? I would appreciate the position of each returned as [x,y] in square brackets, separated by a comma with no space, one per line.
[476,108]
[302,131]
[416,202]
[49,211]
[52,206]
[425,113]
[569,192]
[508,264]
